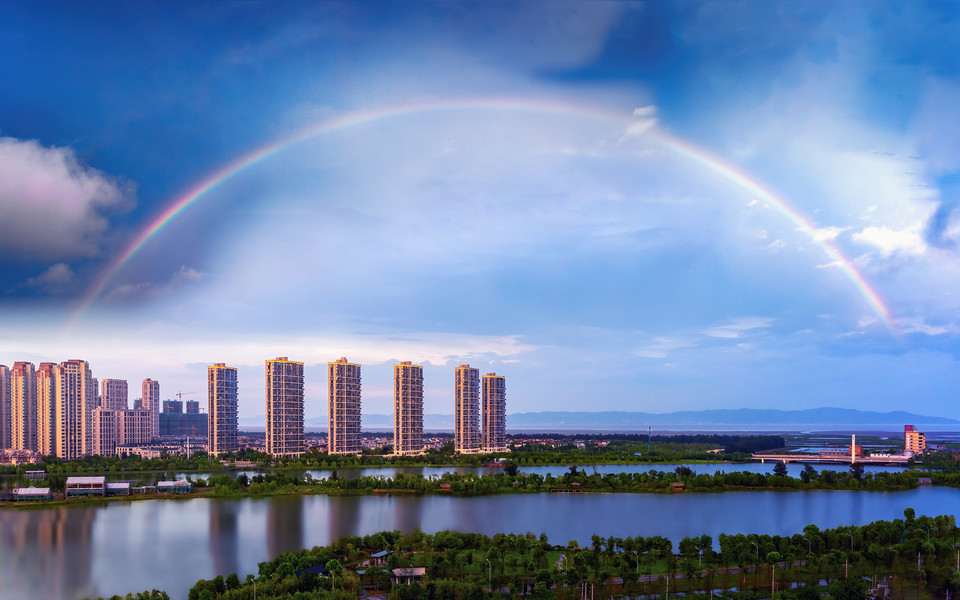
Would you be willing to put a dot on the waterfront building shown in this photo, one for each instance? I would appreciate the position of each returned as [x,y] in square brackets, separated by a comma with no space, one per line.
[23,406]
[466,409]
[47,409]
[221,409]
[75,400]
[284,396]
[913,440]
[150,400]
[343,394]
[407,408]
[494,413]
[114,394]
[5,408]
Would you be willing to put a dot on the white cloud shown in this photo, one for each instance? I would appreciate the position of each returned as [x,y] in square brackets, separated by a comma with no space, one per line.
[775,245]
[828,233]
[58,279]
[645,119]
[918,325]
[144,290]
[738,326]
[51,205]
[890,242]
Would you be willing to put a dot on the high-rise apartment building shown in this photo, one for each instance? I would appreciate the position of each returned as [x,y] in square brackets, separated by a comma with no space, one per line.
[76,398]
[466,409]
[47,409]
[23,404]
[494,413]
[150,400]
[191,407]
[913,440]
[5,407]
[104,427]
[114,394]
[407,408]
[284,395]
[343,387]
[222,409]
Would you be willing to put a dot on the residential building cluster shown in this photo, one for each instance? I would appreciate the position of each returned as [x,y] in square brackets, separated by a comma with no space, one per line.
[62,410]
[57,409]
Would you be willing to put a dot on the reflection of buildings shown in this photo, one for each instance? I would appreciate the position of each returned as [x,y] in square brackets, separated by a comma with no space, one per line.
[343,381]
[343,516]
[284,396]
[48,553]
[222,411]
[224,541]
[284,524]
[466,409]
[407,408]
[408,513]
[494,412]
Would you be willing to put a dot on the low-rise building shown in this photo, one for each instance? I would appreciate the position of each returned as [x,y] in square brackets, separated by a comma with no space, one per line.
[86,486]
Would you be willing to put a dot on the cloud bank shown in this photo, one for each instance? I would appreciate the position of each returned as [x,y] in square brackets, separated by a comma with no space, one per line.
[53,207]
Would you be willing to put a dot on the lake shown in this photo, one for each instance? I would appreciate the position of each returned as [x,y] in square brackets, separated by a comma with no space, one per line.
[120,547]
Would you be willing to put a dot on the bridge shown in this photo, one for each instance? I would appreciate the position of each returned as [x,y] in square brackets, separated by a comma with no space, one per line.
[881,459]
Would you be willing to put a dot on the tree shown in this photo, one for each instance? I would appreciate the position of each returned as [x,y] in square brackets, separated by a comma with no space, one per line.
[856,471]
[334,567]
[780,469]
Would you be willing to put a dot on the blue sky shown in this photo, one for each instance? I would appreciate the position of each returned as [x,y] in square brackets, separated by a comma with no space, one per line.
[573,251]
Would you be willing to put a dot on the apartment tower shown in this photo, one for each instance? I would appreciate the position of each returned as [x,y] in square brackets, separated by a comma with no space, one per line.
[222,409]
[466,409]
[407,408]
[494,413]
[150,400]
[23,406]
[284,379]
[5,408]
[47,409]
[343,393]
[75,400]
[114,394]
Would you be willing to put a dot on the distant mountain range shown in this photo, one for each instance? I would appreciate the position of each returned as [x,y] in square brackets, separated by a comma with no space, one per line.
[746,418]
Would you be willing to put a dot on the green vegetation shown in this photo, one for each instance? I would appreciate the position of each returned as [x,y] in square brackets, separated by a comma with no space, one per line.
[613,449]
[912,557]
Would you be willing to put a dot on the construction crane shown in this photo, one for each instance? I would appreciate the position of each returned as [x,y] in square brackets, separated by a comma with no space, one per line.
[193,432]
[181,394]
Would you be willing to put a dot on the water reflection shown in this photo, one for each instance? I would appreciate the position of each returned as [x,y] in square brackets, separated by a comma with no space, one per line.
[73,552]
[47,551]
[224,539]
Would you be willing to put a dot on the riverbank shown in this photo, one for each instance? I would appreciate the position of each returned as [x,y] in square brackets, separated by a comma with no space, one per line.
[680,481]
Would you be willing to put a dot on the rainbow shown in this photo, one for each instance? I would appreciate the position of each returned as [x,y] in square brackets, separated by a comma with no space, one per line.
[685,149]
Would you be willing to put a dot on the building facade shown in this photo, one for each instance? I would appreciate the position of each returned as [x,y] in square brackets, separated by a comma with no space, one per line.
[343,393]
[23,406]
[913,440]
[494,413]
[75,400]
[466,409]
[114,394]
[150,400]
[104,427]
[407,408]
[5,408]
[221,409]
[284,395]
[47,409]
